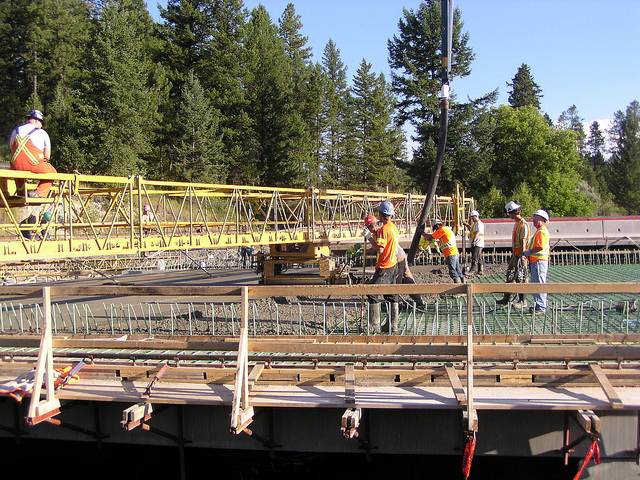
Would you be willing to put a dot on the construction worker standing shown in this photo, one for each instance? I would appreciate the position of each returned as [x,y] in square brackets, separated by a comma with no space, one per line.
[147,218]
[385,244]
[476,238]
[538,254]
[446,241]
[30,152]
[517,270]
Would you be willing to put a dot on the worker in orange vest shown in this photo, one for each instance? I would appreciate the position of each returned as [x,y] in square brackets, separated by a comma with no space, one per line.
[446,241]
[517,270]
[385,244]
[538,254]
[30,152]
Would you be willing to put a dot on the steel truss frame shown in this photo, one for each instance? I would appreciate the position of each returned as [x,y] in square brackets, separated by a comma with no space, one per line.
[101,216]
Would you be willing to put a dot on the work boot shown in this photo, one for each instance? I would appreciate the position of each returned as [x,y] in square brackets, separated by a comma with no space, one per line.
[504,300]
[395,312]
[479,269]
[374,317]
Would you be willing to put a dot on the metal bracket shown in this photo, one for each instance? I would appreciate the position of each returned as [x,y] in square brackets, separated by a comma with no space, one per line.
[350,422]
[156,378]
[590,425]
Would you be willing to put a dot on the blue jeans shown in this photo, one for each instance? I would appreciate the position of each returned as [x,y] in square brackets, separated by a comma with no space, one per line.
[454,267]
[539,275]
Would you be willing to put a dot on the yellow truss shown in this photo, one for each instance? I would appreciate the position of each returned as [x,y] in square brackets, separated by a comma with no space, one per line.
[100,216]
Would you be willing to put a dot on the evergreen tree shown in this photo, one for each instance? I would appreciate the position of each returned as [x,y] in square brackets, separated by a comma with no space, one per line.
[415,59]
[276,128]
[570,120]
[118,106]
[334,117]
[377,143]
[595,165]
[200,148]
[206,37]
[524,90]
[306,90]
[624,178]
[16,19]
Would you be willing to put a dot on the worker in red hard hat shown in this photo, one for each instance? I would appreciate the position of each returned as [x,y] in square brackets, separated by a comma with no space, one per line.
[385,244]
[30,152]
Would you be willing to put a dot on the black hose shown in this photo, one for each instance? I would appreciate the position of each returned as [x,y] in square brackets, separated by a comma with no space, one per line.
[435,177]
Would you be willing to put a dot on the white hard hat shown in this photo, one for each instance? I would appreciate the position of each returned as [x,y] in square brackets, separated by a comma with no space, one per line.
[435,223]
[511,207]
[543,214]
[474,213]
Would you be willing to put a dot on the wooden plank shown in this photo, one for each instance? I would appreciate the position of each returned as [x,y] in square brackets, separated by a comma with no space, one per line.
[609,391]
[254,375]
[456,385]
[349,384]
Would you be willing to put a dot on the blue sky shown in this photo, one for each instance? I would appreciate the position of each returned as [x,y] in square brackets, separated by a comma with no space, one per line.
[582,52]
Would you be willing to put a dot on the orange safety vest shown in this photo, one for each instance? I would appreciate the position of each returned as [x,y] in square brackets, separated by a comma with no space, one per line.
[520,236]
[23,146]
[387,237]
[446,240]
[540,239]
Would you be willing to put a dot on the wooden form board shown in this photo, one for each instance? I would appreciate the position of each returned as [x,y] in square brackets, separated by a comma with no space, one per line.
[261,291]
[485,398]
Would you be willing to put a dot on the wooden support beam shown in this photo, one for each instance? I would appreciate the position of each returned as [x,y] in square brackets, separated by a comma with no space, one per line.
[242,411]
[471,416]
[349,384]
[42,410]
[605,383]
[256,371]
[454,380]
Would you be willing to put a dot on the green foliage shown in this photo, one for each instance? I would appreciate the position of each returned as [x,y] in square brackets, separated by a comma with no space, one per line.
[492,203]
[524,90]
[624,177]
[415,60]
[277,128]
[198,153]
[528,151]
[375,144]
[333,117]
[213,94]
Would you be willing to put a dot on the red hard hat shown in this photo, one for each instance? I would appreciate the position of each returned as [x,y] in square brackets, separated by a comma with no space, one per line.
[369,220]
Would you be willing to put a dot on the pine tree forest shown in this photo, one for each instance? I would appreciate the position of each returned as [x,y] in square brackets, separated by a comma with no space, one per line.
[214,92]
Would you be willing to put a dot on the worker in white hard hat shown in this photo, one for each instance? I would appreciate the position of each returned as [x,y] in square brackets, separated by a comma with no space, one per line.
[147,218]
[538,253]
[517,270]
[476,240]
[30,152]
[446,241]
[384,241]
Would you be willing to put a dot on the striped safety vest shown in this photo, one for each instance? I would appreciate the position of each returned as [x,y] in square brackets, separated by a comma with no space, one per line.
[540,239]
[520,236]
[24,146]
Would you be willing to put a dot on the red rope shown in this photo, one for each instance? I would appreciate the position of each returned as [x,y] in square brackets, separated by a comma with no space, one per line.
[467,458]
[594,451]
